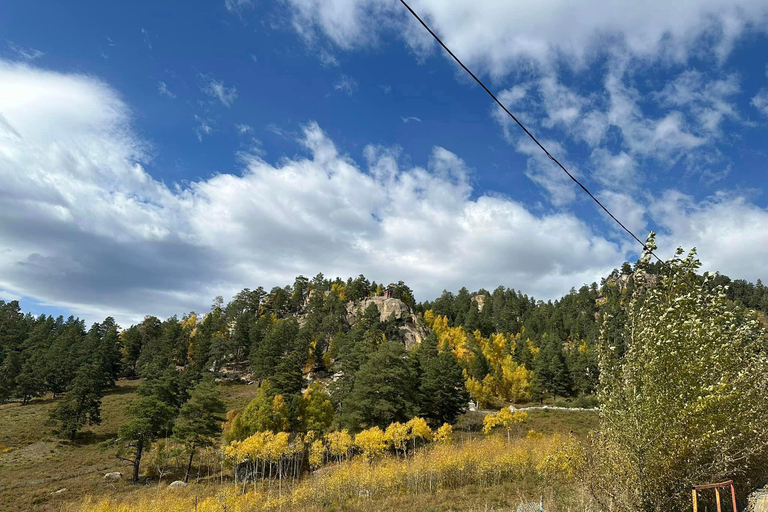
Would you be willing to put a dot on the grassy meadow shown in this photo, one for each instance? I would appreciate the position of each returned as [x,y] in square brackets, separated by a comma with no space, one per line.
[472,473]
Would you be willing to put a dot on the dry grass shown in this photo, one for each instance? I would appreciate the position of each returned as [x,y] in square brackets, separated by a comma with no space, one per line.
[34,463]
[484,474]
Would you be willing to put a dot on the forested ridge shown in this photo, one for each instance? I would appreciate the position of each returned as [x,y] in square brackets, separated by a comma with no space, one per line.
[319,368]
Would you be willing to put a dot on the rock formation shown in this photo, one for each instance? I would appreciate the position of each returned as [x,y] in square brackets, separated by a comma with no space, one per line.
[413,328]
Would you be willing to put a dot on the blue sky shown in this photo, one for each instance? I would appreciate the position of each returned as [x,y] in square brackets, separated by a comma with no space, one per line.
[158,155]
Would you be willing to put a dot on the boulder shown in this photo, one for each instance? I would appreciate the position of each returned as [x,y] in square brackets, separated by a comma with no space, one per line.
[116,475]
[758,500]
[176,484]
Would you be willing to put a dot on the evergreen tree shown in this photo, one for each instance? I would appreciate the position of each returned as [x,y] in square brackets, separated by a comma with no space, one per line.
[150,415]
[199,421]
[443,394]
[82,403]
[278,341]
[384,390]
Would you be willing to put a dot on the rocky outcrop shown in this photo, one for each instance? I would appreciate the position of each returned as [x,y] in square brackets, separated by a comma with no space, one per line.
[113,476]
[387,308]
[480,299]
[412,328]
[176,484]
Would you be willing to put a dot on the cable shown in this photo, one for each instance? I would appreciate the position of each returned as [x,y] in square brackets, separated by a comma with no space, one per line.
[523,127]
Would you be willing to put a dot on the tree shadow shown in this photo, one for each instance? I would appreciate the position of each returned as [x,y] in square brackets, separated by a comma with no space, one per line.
[120,390]
[87,438]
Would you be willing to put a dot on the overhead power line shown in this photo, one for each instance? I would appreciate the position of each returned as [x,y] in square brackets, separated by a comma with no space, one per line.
[625,228]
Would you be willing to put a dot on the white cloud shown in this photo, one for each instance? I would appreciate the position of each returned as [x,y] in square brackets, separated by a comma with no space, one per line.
[216,89]
[23,53]
[89,229]
[625,208]
[162,88]
[204,127]
[147,39]
[85,226]
[617,171]
[243,128]
[545,173]
[497,35]
[237,6]
[327,59]
[728,231]
[760,101]
[710,102]
[345,84]
[410,119]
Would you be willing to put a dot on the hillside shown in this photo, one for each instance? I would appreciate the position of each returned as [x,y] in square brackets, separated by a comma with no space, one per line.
[165,400]
[34,463]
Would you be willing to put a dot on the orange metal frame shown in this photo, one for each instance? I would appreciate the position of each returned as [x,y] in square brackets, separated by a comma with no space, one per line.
[716,487]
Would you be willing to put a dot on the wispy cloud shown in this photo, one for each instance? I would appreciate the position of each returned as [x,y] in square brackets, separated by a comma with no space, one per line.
[327,59]
[25,53]
[204,127]
[216,89]
[162,88]
[238,6]
[243,128]
[386,88]
[345,84]
[760,101]
[410,119]
[145,35]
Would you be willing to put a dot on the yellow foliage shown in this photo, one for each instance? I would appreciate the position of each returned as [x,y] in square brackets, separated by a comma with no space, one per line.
[418,429]
[339,289]
[316,454]
[505,419]
[479,392]
[339,443]
[371,442]
[515,381]
[429,318]
[443,434]
[483,463]
[396,436]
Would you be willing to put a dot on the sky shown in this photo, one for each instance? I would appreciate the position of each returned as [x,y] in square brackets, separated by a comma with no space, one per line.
[154,155]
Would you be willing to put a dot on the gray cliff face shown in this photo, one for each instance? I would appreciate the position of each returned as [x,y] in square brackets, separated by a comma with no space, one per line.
[413,329]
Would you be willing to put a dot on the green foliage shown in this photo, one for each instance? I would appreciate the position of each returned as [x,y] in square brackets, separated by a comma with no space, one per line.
[268,411]
[443,394]
[199,422]
[316,410]
[278,341]
[82,403]
[384,390]
[686,401]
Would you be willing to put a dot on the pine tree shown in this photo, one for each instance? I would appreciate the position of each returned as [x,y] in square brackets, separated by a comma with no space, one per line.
[199,421]
[384,390]
[150,415]
[443,394]
[278,341]
[82,403]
